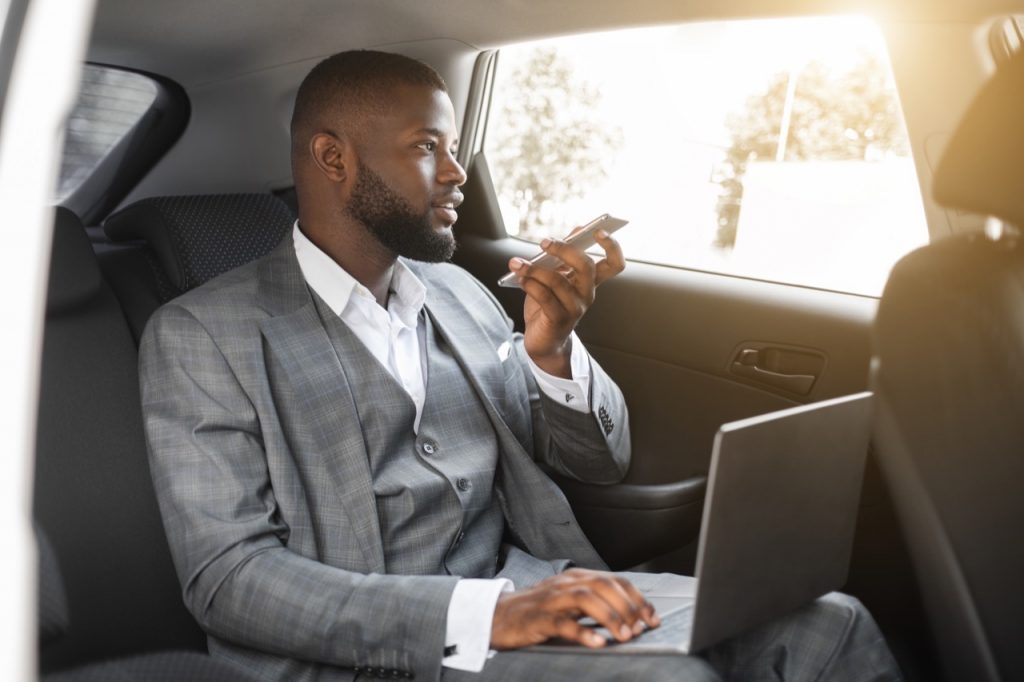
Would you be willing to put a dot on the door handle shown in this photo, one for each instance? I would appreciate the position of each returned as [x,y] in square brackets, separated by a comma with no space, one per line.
[748,364]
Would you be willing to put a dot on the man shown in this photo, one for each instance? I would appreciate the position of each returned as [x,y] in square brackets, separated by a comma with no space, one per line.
[344,435]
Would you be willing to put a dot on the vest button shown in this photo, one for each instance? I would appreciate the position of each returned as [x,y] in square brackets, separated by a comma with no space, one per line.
[463,484]
[428,447]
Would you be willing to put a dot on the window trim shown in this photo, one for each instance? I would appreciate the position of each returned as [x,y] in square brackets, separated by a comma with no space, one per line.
[480,214]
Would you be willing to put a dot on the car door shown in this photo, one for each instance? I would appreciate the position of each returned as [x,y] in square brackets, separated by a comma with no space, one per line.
[690,350]
[695,342]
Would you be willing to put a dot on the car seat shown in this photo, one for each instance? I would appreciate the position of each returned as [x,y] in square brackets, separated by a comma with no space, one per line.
[93,493]
[949,382]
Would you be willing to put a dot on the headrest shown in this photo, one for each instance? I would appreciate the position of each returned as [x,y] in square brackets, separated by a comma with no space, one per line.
[197,238]
[74,273]
[981,169]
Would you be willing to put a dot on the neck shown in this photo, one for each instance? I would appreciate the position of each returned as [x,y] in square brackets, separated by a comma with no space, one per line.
[357,251]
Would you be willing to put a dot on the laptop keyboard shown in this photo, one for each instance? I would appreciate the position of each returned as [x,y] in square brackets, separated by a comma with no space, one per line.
[672,634]
[675,627]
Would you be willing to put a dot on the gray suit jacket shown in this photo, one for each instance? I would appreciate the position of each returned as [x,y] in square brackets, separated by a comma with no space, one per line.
[262,476]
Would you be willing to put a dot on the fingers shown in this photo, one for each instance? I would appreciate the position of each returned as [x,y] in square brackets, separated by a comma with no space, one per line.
[571,629]
[576,260]
[647,612]
[553,608]
[556,292]
[613,262]
[611,601]
[564,294]
[587,273]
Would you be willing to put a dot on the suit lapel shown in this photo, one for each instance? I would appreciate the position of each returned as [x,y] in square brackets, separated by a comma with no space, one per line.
[472,349]
[314,398]
[551,532]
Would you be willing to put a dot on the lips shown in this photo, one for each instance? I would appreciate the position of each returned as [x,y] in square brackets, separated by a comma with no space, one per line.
[446,206]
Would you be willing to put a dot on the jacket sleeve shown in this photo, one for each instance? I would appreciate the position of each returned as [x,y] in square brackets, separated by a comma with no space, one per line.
[239,579]
[594,446]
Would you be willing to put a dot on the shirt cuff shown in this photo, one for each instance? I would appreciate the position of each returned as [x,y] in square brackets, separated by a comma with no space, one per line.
[575,392]
[470,617]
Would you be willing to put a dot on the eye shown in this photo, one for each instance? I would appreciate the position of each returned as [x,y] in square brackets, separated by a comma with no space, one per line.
[429,146]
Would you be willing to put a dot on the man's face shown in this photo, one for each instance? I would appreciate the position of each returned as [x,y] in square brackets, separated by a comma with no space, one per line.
[406,186]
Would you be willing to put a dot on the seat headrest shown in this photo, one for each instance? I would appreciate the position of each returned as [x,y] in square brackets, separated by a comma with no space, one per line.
[196,238]
[981,168]
[74,272]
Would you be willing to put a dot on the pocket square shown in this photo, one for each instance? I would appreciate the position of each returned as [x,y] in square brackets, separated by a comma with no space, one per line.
[504,350]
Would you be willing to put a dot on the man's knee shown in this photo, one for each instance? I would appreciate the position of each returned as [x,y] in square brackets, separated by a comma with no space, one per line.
[517,666]
[847,613]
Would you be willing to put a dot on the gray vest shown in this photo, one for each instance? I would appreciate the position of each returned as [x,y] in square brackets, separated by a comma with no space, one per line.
[434,489]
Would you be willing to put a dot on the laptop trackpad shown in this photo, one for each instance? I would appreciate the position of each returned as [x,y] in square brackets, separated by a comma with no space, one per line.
[672,636]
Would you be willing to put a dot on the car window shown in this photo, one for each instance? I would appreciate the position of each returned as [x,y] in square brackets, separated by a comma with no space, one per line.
[772,149]
[1006,37]
[109,103]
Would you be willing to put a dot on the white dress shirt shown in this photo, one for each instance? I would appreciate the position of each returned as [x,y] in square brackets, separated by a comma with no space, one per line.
[395,337]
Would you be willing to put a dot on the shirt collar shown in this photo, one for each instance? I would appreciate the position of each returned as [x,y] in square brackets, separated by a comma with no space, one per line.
[337,287]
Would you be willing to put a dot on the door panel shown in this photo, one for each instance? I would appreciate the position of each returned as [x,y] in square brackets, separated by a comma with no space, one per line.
[627,523]
[671,338]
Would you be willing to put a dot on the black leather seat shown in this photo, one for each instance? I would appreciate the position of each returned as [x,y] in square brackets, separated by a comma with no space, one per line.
[164,246]
[949,383]
[93,493]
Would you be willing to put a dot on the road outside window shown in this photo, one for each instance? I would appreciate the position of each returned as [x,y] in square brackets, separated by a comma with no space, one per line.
[771,149]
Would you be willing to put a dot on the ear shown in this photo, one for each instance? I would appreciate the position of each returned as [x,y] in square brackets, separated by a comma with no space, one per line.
[330,154]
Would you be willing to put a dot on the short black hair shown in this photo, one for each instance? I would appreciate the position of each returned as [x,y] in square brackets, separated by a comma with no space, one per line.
[353,84]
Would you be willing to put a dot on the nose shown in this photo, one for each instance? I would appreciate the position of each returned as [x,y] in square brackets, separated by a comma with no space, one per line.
[450,172]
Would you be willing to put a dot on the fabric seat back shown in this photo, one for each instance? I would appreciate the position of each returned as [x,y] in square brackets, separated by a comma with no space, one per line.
[949,383]
[175,243]
[93,493]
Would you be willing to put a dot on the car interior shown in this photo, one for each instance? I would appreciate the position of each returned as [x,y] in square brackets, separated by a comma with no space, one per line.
[196,181]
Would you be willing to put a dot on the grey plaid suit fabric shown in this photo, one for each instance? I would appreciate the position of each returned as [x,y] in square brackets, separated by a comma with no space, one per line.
[264,484]
[446,467]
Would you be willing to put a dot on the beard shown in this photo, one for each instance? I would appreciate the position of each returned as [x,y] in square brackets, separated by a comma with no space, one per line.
[395,223]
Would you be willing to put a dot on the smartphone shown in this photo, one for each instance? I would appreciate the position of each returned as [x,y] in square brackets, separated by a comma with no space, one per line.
[583,239]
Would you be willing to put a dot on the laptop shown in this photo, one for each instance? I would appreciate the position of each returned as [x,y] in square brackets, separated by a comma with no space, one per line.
[777,531]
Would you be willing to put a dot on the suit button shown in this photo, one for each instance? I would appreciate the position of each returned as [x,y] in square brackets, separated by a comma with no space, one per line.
[429,447]
[463,484]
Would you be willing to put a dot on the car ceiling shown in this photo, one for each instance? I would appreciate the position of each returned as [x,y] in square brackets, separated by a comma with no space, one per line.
[197,42]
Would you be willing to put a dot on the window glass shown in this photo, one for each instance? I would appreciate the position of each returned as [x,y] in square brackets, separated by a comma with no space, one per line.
[1006,37]
[772,149]
[109,103]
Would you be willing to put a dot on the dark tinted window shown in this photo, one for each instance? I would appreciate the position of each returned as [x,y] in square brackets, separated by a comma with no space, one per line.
[109,104]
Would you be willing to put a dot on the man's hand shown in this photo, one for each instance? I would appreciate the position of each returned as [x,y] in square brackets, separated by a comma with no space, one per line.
[553,607]
[557,299]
